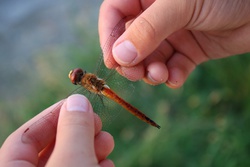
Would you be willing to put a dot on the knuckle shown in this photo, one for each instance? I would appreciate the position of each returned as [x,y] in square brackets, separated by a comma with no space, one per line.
[144,30]
[74,120]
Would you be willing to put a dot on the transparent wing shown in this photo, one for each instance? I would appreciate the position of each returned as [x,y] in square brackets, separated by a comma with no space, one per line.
[101,106]
[44,128]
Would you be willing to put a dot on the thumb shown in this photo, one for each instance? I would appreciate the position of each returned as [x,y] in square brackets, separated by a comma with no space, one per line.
[75,134]
[149,29]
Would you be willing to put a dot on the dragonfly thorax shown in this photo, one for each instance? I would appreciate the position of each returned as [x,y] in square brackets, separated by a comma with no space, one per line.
[92,83]
[87,80]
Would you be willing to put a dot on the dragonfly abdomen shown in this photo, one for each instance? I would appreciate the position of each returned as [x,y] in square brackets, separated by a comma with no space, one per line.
[113,96]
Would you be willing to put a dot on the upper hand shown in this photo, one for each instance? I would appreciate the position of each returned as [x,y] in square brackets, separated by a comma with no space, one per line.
[168,39]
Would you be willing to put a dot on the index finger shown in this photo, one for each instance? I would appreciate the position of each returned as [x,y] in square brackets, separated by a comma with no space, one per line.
[22,147]
[111,14]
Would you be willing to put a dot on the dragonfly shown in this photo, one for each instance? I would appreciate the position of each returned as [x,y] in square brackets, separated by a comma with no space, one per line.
[93,84]
[98,86]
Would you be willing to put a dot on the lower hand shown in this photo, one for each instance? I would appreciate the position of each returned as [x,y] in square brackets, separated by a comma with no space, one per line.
[77,140]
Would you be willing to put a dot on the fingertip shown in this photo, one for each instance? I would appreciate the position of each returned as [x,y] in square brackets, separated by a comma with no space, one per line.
[76,113]
[107,163]
[104,145]
[157,73]
[176,78]
[78,103]
[110,62]
[180,67]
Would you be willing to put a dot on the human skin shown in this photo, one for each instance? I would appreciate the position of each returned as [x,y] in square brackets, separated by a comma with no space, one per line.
[165,40]
[79,139]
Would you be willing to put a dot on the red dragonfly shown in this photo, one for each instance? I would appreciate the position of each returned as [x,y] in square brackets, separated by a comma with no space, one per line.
[98,86]
[92,84]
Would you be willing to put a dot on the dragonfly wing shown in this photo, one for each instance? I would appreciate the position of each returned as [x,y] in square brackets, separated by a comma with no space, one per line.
[44,129]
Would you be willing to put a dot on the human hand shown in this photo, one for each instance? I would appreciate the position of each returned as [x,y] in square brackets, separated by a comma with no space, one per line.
[168,39]
[79,139]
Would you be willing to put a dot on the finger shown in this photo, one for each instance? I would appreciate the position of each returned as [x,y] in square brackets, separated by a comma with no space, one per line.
[75,134]
[133,73]
[111,24]
[44,155]
[111,12]
[22,147]
[46,152]
[179,67]
[149,29]
[155,63]
[98,123]
[153,70]
[104,145]
[43,130]
[183,62]
[157,73]
[107,163]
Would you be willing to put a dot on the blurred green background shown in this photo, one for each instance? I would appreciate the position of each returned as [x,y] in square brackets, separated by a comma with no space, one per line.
[205,123]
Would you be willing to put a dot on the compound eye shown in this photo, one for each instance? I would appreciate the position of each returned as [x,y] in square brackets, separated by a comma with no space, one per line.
[76,75]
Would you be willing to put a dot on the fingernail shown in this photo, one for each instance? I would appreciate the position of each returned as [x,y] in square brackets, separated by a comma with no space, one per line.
[176,78]
[151,78]
[125,52]
[171,85]
[77,103]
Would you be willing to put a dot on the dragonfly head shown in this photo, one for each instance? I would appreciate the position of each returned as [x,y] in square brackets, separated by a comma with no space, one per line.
[76,75]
